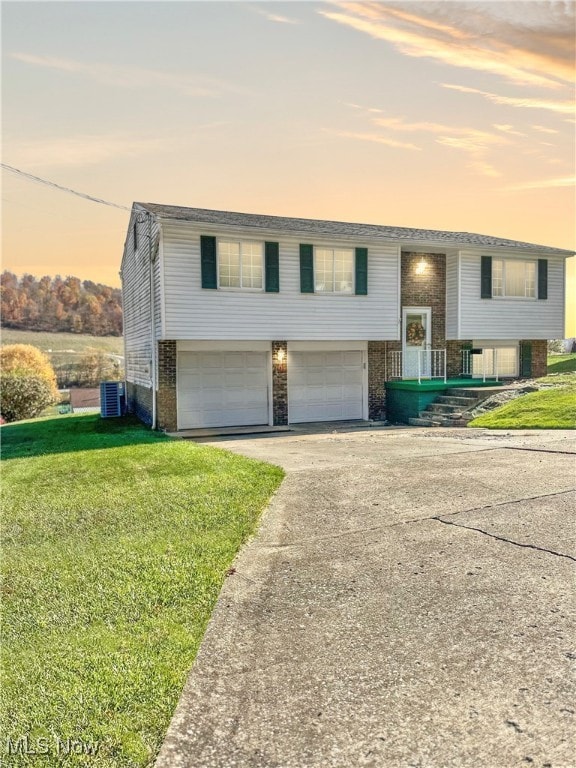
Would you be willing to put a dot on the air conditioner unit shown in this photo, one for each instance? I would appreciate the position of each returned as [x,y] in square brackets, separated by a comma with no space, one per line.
[112,399]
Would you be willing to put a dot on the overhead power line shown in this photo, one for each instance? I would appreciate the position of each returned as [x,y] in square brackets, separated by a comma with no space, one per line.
[53,184]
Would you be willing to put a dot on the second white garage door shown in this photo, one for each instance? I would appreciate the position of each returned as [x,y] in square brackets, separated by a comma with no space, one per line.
[325,386]
[222,389]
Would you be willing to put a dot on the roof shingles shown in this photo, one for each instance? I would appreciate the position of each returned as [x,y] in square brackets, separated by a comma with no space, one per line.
[340,228]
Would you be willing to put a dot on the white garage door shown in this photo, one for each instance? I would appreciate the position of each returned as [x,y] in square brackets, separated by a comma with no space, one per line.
[222,389]
[325,386]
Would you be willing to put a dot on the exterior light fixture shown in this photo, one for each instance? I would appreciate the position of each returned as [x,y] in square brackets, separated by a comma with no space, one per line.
[280,356]
[421,267]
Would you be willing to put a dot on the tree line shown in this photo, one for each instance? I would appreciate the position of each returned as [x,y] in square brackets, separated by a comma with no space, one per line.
[60,304]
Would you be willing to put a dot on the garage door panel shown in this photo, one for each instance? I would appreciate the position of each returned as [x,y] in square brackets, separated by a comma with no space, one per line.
[217,389]
[332,358]
[353,358]
[325,386]
[334,376]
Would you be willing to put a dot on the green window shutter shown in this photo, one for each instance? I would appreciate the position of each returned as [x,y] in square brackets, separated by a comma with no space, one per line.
[361,271]
[272,267]
[542,278]
[208,261]
[525,359]
[306,269]
[486,277]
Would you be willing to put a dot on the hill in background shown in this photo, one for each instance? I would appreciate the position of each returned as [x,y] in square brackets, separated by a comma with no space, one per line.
[55,304]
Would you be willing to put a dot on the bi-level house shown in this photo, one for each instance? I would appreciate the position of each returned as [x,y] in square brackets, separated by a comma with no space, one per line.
[240,319]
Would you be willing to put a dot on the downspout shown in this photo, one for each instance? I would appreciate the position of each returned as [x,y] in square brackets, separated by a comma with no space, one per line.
[153,366]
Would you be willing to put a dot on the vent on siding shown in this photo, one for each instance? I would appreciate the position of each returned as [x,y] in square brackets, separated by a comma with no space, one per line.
[111,398]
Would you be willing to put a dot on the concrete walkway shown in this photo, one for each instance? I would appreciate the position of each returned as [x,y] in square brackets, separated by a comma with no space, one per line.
[408,602]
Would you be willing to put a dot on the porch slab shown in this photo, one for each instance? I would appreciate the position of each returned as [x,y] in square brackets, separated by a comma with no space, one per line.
[440,384]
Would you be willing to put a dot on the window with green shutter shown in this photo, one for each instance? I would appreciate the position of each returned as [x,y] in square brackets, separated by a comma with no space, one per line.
[542,278]
[361,269]
[486,277]
[208,261]
[306,269]
[272,267]
[514,278]
[333,270]
[525,359]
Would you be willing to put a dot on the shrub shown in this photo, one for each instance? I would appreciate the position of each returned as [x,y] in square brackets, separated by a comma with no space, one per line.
[28,382]
[25,358]
[24,396]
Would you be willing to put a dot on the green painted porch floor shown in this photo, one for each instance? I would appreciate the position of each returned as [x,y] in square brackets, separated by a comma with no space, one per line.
[439,384]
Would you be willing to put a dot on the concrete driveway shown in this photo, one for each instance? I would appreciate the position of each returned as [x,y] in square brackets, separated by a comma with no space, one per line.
[408,602]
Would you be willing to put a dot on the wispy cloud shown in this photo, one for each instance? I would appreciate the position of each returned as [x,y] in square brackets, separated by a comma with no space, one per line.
[564,181]
[518,43]
[132,77]
[81,150]
[376,138]
[543,129]
[276,17]
[476,143]
[565,106]
[508,129]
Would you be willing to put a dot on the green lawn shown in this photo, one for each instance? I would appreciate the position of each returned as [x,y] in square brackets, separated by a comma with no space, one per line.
[116,542]
[561,363]
[546,409]
[64,342]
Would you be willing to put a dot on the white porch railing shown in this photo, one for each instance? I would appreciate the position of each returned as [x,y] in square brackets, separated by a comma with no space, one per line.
[417,364]
[480,366]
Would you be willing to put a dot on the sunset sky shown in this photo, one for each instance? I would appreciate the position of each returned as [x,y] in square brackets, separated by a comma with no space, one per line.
[442,115]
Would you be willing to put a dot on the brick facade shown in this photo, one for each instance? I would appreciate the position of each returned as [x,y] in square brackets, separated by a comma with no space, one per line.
[377,360]
[166,416]
[539,357]
[454,357]
[280,383]
[427,290]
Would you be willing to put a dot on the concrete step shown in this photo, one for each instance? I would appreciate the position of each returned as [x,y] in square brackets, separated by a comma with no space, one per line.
[425,419]
[437,407]
[464,402]
[479,393]
[421,422]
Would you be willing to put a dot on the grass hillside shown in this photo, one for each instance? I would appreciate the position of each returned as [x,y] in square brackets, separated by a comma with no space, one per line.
[561,363]
[552,407]
[64,342]
[116,541]
[546,409]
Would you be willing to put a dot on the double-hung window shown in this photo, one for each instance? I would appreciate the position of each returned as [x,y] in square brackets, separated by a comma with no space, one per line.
[240,264]
[333,270]
[514,278]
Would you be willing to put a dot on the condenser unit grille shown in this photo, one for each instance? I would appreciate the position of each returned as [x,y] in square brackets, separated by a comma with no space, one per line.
[110,404]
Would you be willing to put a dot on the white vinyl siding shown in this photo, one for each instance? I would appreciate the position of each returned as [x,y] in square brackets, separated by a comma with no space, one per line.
[193,313]
[136,303]
[510,318]
[452,295]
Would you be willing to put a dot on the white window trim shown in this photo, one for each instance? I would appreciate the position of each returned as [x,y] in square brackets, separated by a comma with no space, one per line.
[515,298]
[333,248]
[240,288]
[495,346]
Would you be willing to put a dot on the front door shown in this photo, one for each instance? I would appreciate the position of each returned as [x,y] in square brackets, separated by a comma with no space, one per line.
[416,342]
